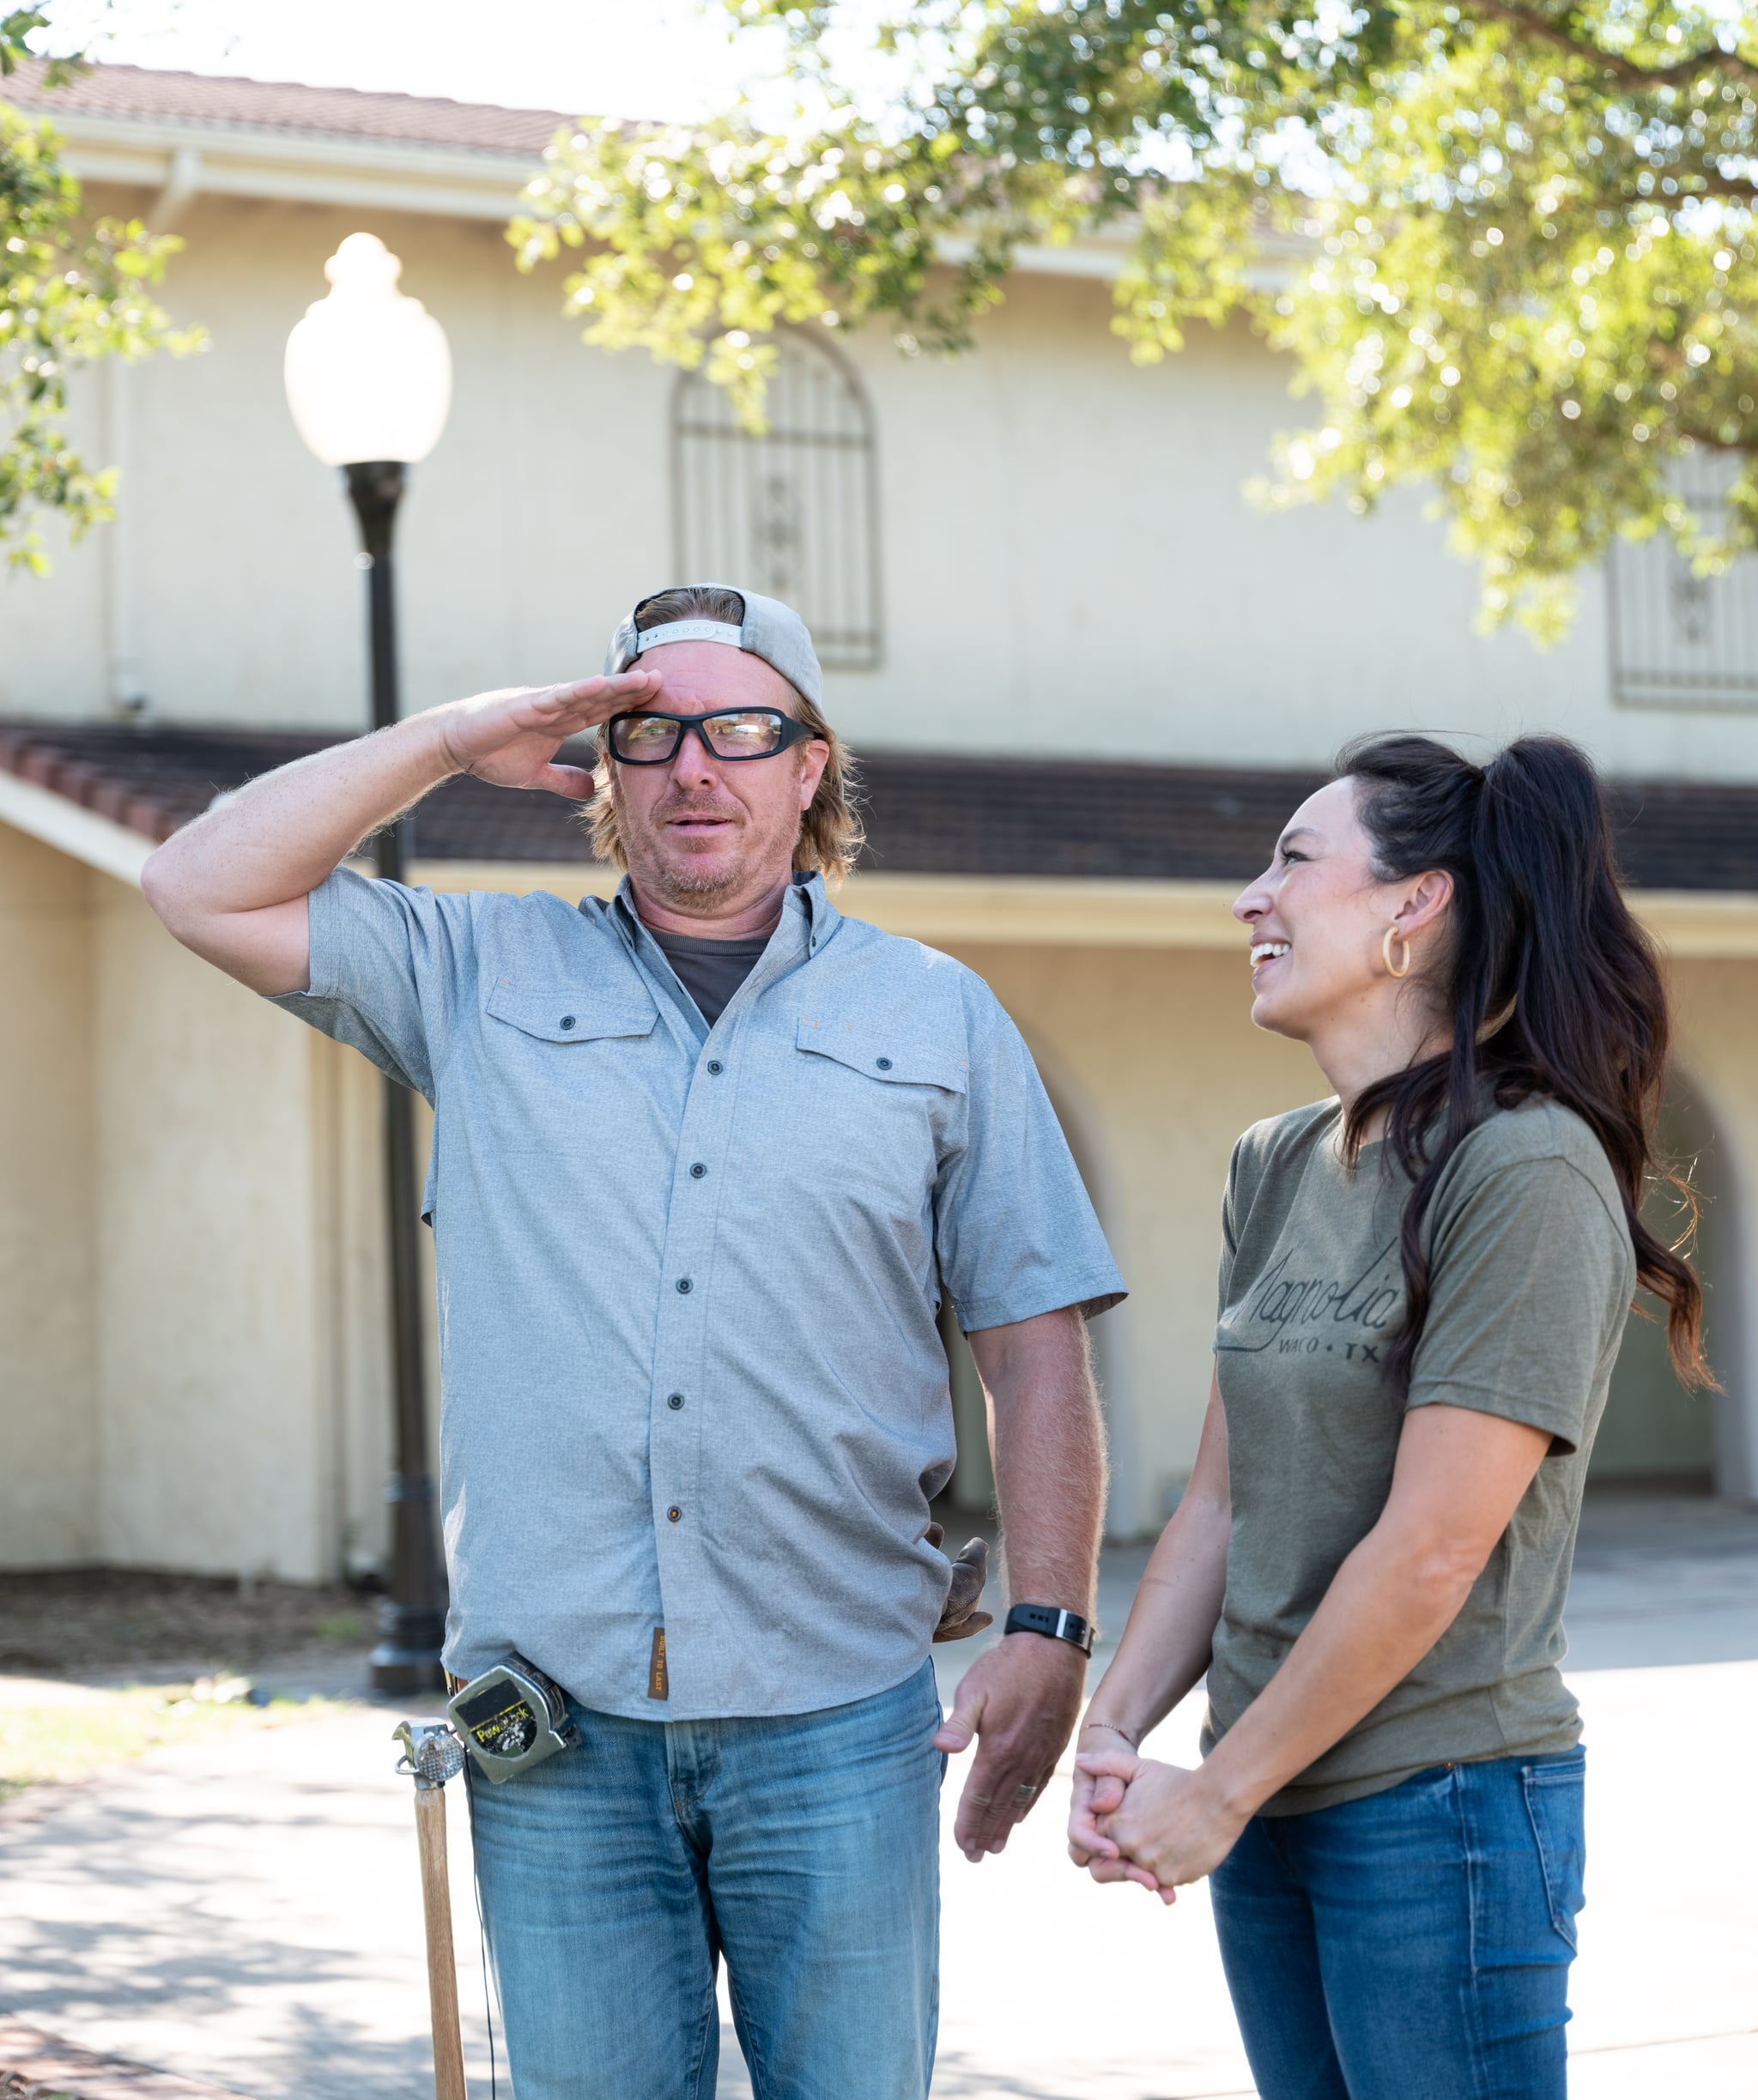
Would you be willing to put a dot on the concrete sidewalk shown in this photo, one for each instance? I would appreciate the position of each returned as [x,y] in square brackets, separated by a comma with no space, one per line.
[246,1911]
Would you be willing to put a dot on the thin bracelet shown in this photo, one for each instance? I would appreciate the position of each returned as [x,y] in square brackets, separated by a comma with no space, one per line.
[1112,1728]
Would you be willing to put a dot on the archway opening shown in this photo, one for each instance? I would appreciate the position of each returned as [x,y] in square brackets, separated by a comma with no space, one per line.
[1656,1434]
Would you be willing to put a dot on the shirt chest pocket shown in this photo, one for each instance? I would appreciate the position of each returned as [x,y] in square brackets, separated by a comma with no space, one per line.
[883,1107]
[551,1046]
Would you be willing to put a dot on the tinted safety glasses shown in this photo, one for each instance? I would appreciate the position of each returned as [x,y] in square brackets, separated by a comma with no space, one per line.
[650,738]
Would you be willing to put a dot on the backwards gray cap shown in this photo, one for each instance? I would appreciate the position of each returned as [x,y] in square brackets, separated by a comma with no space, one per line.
[772,630]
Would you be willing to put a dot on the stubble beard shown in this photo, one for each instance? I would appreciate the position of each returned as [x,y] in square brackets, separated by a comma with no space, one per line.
[680,881]
[674,875]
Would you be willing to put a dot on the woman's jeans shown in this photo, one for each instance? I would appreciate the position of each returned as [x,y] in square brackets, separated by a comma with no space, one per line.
[807,1847]
[1414,1945]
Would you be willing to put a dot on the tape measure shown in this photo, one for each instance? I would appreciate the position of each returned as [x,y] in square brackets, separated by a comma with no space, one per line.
[511,1718]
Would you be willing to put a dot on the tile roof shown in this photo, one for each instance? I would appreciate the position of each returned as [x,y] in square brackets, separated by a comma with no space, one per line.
[927,813]
[285,105]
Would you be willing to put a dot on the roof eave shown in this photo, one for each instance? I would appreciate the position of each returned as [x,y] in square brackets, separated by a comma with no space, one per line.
[295,167]
[82,834]
[317,167]
[1035,911]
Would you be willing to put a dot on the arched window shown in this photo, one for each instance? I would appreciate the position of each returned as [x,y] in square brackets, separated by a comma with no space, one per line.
[793,512]
[1679,639]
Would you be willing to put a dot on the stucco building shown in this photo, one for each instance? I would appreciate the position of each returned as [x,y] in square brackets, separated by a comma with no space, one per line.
[1087,678]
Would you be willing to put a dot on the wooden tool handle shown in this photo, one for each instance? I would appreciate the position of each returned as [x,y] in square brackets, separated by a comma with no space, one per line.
[442,1966]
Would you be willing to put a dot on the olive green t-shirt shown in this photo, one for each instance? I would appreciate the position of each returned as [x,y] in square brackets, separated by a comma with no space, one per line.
[1531,1274]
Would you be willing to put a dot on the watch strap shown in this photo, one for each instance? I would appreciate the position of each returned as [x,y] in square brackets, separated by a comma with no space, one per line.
[1054,1624]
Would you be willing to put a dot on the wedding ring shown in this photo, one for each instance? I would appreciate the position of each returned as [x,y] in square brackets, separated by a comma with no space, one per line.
[1025,1790]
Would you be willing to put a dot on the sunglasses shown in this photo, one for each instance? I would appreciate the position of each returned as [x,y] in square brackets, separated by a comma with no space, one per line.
[648,739]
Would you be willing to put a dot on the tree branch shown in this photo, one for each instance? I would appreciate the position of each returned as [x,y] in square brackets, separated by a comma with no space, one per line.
[1549,31]
[1712,184]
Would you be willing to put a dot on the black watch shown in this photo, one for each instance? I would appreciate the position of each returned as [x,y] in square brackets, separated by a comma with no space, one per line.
[1053,1624]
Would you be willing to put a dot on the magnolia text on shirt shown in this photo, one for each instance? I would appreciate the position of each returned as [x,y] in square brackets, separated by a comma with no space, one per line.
[1368,1305]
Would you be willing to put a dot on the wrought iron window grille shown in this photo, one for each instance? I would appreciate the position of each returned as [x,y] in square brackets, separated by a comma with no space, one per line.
[1679,641]
[792,511]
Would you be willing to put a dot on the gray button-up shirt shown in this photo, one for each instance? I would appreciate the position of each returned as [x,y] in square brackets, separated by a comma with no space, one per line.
[689,1277]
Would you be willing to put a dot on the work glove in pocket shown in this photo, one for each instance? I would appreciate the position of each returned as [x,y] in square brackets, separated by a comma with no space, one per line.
[959,1616]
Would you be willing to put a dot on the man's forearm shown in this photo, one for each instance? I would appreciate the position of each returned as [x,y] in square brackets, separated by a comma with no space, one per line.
[233,885]
[1048,1447]
[278,838]
[1049,1450]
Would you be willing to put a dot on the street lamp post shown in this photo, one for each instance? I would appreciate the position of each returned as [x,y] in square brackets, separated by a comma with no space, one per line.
[369,381]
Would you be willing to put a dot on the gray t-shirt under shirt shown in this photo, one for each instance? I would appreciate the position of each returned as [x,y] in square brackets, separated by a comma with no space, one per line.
[710,971]
[1533,1274]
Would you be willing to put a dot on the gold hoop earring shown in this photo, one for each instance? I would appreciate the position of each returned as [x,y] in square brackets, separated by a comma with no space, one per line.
[1391,935]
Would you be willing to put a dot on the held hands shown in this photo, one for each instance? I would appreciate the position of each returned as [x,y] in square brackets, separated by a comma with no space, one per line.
[1096,1795]
[1134,1820]
[512,737]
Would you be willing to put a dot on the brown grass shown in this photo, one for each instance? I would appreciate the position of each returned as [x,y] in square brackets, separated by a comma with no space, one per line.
[62,1622]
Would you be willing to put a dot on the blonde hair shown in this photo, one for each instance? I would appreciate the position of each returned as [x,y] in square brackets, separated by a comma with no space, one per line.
[831,833]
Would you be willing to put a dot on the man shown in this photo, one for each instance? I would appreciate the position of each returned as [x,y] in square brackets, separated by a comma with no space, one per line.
[704,1159]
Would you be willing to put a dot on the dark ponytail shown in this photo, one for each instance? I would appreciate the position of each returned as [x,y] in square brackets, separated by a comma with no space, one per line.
[1550,985]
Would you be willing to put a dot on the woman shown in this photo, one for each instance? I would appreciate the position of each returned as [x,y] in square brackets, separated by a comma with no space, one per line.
[1424,1287]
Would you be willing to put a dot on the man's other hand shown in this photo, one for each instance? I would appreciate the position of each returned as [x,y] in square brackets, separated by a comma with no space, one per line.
[1018,1702]
[959,1616]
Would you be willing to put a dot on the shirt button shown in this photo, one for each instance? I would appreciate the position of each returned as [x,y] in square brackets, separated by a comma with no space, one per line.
[697,1170]
[674,1513]
[684,1286]
[883,1063]
[567,1021]
[674,1401]
[716,1066]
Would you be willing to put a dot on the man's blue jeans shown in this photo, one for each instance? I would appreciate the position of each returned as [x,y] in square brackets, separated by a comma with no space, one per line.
[807,1847]
[1415,1945]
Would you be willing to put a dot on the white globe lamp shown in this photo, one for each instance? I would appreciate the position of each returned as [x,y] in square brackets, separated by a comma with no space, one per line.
[369,380]
[368,372]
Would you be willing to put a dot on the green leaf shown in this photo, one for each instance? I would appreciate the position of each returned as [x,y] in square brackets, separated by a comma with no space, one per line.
[1511,247]
[70,292]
